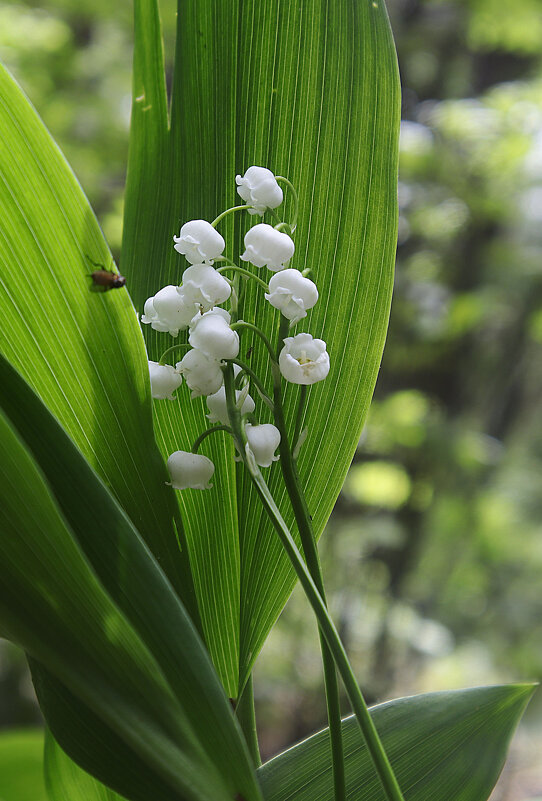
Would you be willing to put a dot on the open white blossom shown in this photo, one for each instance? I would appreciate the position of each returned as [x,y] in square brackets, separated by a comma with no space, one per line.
[202,373]
[164,380]
[292,293]
[190,470]
[168,311]
[304,360]
[265,246]
[259,187]
[263,441]
[218,407]
[204,286]
[211,333]
[199,242]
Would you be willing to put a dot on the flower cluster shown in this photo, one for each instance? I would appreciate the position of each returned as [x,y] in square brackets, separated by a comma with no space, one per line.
[213,343]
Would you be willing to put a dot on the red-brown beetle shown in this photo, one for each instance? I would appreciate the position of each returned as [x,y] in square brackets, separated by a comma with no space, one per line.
[104,280]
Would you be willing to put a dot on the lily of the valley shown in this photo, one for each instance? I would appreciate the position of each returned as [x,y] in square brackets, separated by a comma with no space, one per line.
[211,334]
[267,247]
[168,311]
[292,293]
[164,380]
[218,410]
[303,359]
[259,188]
[263,440]
[190,470]
[199,242]
[202,373]
[203,286]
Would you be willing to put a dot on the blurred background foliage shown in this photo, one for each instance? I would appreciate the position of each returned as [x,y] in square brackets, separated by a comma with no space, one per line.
[433,556]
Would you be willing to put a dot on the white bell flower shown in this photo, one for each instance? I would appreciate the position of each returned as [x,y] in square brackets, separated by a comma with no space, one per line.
[164,380]
[259,187]
[211,333]
[199,242]
[202,373]
[265,246]
[168,311]
[304,360]
[189,470]
[263,441]
[292,293]
[218,408]
[203,285]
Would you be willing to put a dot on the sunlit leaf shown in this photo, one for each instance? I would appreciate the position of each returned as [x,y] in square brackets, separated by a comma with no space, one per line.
[309,90]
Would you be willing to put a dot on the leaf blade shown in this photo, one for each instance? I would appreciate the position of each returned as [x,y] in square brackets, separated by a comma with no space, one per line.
[441,745]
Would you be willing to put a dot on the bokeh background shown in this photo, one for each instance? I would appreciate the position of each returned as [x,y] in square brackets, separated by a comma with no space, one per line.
[433,555]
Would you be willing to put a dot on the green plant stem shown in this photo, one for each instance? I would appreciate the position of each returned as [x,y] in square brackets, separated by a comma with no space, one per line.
[308,542]
[280,224]
[243,272]
[251,327]
[246,716]
[289,184]
[207,433]
[260,387]
[228,211]
[370,734]
[170,350]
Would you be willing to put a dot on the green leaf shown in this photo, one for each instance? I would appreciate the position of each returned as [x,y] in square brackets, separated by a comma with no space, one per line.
[442,746]
[21,766]
[65,781]
[135,583]
[82,351]
[311,91]
[52,605]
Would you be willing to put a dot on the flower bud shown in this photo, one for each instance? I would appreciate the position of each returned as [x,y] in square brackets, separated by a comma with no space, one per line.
[304,360]
[189,470]
[218,407]
[168,311]
[265,246]
[259,187]
[199,242]
[292,293]
[263,441]
[202,373]
[202,285]
[211,333]
[164,380]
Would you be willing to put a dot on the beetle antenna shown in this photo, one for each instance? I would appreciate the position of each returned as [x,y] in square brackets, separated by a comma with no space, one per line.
[95,263]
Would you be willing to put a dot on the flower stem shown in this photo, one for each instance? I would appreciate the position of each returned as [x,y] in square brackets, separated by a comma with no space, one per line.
[228,211]
[207,433]
[308,542]
[370,734]
[251,327]
[288,183]
[245,713]
[166,353]
[243,272]
[259,385]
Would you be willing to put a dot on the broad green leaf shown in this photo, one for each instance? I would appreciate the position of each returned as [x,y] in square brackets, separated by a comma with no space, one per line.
[442,746]
[82,351]
[52,605]
[134,582]
[65,781]
[311,91]
[21,765]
